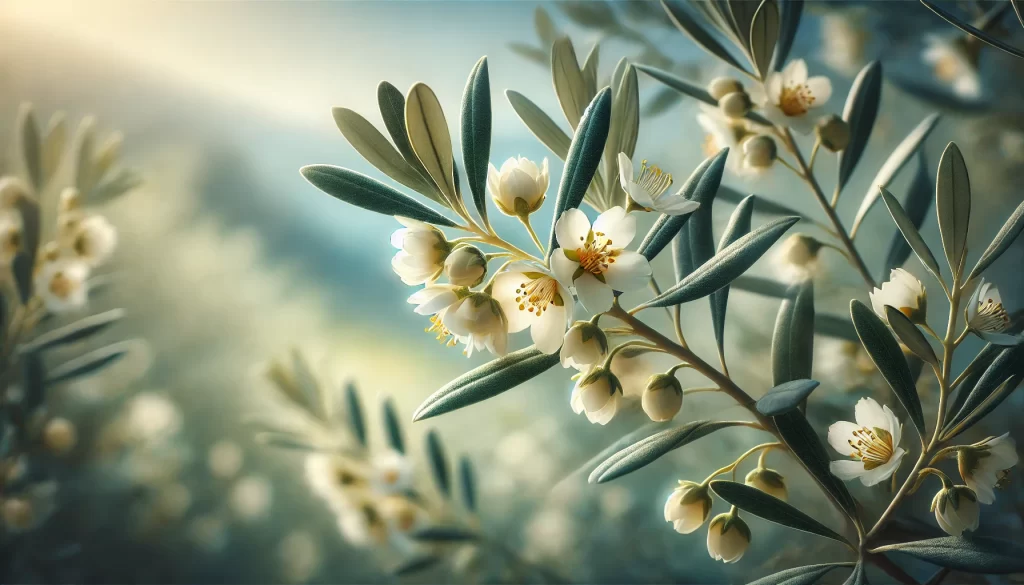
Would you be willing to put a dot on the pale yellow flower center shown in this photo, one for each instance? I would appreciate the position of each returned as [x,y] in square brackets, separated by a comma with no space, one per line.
[872,446]
[536,295]
[61,286]
[947,68]
[596,254]
[653,180]
[992,317]
[795,100]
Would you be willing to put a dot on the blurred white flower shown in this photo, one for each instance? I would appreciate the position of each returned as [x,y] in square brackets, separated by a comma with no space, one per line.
[954,64]
[551,534]
[402,517]
[723,132]
[987,317]
[422,251]
[585,345]
[873,443]
[298,556]
[477,321]
[361,525]
[334,479]
[59,436]
[392,472]
[797,257]
[984,466]
[956,509]
[595,260]
[69,201]
[12,189]
[29,508]
[790,95]
[10,236]
[532,297]
[224,459]
[720,87]
[518,188]
[902,292]
[250,497]
[688,507]
[465,266]
[648,188]
[93,240]
[768,481]
[61,285]
[597,393]
[728,538]
[151,417]
[843,39]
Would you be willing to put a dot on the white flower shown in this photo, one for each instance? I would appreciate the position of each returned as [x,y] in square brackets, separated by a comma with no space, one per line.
[987,317]
[597,393]
[434,300]
[151,417]
[662,398]
[790,95]
[723,132]
[595,259]
[361,524]
[843,40]
[873,443]
[477,321]
[902,292]
[648,188]
[585,345]
[768,481]
[953,64]
[10,236]
[518,188]
[392,472]
[250,498]
[983,466]
[335,480]
[688,507]
[224,459]
[728,538]
[61,285]
[956,509]
[720,87]
[797,257]
[465,266]
[402,517]
[532,297]
[93,240]
[423,249]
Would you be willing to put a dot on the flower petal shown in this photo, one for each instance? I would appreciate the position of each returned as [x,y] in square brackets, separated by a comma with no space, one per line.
[868,413]
[572,228]
[839,436]
[563,267]
[846,469]
[595,295]
[821,89]
[505,292]
[625,171]
[617,225]
[882,472]
[629,271]
[548,330]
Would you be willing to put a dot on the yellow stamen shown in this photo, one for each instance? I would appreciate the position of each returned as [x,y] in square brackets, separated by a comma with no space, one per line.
[534,296]
[991,317]
[872,446]
[596,254]
[795,100]
[653,180]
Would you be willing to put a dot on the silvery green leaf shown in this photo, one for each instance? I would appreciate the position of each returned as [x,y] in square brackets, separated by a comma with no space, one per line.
[682,262]
[88,363]
[803,441]
[725,266]
[701,226]
[858,576]
[84,155]
[738,226]
[1018,7]
[741,13]
[392,426]
[762,205]
[538,56]
[444,534]
[77,331]
[362,191]
[910,335]
[438,463]
[994,400]
[476,133]
[416,564]
[391,103]
[21,267]
[860,112]
[1006,236]
[53,144]
[467,483]
[953,205]
[762,286]
[292,441]
[33,381]
[974,31]
[107,155]
[700,186]
[1006,364]
[123,181]
[31,225]
[307,386]
[910,233]
[623,130]
[785,397]
[792,10]
[793,337]
[487,381]
[918,202]
[887,356]
[764,34]
[693,91]
[972,554]
[689,26]
[583,157]
[835,326]
[540,124]
[429,137]
[754,501]
[807,575]
[663,100]
[896,161]
[589,71]
[570,87]
[978,365]
[646,451]
[354,409]
[30,145]
[546,30]
[375,148]
[588,13]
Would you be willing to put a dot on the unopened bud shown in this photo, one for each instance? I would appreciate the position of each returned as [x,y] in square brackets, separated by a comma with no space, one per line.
[833,132]
[465,266]
[759,152]
[59,436]
[722,86]
[662,398]
[800,250]
[768,481]
[736,104]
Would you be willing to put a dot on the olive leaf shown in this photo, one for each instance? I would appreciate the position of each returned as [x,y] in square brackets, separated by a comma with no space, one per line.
[770,508]
[859,113]
[416,564]
[953,205]
[793,337]
[623,129]
[438,463]
[467,483]
[570,87]
[487,381]
[978,365]
[682,261]
[391,103]
[807,575]
[392,426]
[910,233]
[589,70]
[430,140]
[738,226]
[1006,236]
[370,194]
[354,409]
[802,440]
[650,449]
[762,286]
[84,179]
[546,30]
[689,26]
[1006,364]
[30,146]
[985,408]
[693,91]
[885,352]
[974,31]
[910,335]
[1018,7]
[88,363]
[725,266]
[33,381]
[476,134]
[972,554]
[896,161]
[858,576]
[74,332]
[53,144]
[540,124]
[785,397]
[764,34]
[920,196]
[835,326]
[792,10]
[446,534]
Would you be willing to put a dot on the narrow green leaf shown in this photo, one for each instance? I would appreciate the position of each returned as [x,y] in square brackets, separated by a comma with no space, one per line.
[583,158]
[540,124]
[689,26]
[429,137]
[770,508]
[982,360]
[985,408]
[764,34]
[623,130]
[74,332]
[953,205]
[444,534]
[1006,236]
[766,287]
[392,427]
[792,10]
[742,16]
[439,463]
[858,576]
[53,144]
[391,103]
[646,451]
[802,440]
[570,87]
[416,564]
[467,483]
[88,363]
[546,30]
[785,397]
[589,71]
[972,554]
[30,146]
[920,196]
[896,161]
[310,395]
[354,410]
[476,133]
[808,575]
[1007,363]
[910,233]
[534,54]
[693,91]
[860,112]
[22,267]
[738,226]
[793,337]
[84,179]
[725,266]
[682,262]
[887,356]
[31,227]
[33,382]
[362,191]
[910,335]
[974,31]
[487,381]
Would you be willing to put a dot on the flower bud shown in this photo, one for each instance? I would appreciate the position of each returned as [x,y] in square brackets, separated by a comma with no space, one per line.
[93,240]
[688,507]
[956,509]
[735,104]
[662,398]
[722,86]
[728,538]
[465,266]
[70,200]
[422,249]
[518,188]
[833,132]
[17,513]
[584,345]
[902,292]
[800,251]
[759,152]
[597,393]
[12,189]
[59,436]
[768,481]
